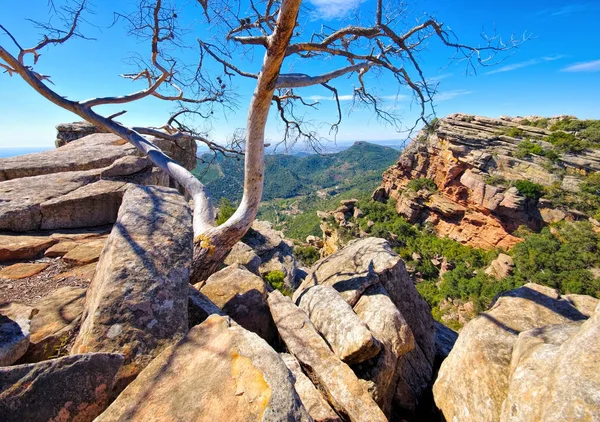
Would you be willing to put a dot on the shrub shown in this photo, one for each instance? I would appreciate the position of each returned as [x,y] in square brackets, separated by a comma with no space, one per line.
[226,210]
[308,255]
[526,148]
[591,184]
[530,189]
[422,183]
[276,280]
[541,123]
[514,132]
[567,142]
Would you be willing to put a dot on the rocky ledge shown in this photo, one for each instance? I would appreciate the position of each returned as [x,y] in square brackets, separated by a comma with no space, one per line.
[464,158]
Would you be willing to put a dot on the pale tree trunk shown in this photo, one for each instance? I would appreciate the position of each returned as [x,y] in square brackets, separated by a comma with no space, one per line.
[211,246]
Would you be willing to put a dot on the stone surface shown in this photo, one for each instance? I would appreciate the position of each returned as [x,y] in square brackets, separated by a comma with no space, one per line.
[340,385]
[218,372]
[473,380]
[243,254]
[276,253]
[376,309]
[445,338]
[60,249]
[243,296]
[15,320]
[200,308]
[312,399]
[69,132]
[72,388]
[55,324]
[85,253]
[501,267]
[137,302]
[22,270]
[584,304]
[13,247]
[85,272]
[334,319]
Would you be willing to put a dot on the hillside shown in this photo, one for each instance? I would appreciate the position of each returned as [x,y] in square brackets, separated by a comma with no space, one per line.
[288,176]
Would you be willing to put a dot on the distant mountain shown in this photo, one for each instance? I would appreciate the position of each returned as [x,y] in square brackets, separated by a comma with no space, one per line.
[288,176]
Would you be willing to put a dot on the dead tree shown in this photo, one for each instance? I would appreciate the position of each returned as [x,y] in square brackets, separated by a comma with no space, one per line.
[384,45]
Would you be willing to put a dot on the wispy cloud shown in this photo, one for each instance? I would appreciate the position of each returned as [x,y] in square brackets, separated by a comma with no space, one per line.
[449,95]
[527,63]
[349,97]
[334,9]
[591,66]
[565,10]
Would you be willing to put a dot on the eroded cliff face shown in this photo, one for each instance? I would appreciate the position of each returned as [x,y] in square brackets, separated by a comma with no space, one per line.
[464,155]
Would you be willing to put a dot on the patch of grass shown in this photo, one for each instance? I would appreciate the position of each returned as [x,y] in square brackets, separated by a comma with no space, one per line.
[422,183]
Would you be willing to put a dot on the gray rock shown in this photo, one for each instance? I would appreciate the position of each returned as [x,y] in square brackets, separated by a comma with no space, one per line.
[15,320]
[501,267]
[126,166]
[218,372]
[346,334]
[69,132]
[243,254]
[72,388]
[243,296]
[200,308]
[340,385]
[445,338]
[137,301]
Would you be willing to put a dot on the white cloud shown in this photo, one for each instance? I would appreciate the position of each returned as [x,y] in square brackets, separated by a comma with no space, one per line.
[449,95]
[566,10]
[334,9]
[591,66]
[527,63]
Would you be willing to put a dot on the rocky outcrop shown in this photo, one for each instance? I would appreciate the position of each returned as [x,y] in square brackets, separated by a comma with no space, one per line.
[69,132]
[243,296]
[137,302]
[218,372]
[369,269]
[339,383]
[276,252]
[501,267]
[462,156]
[243,254]
[525,343]
[72,388]
[15,322]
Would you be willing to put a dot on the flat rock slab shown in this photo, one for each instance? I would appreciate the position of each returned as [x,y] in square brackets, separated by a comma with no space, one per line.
[312,399]
[91,152]
[84,273]
[243,296]
[85,253]
[55,324]
[218,372]
[137,302]
[15,320]
[14,247]
[60,249]
[73,388]
[348,336]
[342,388]
[22,270]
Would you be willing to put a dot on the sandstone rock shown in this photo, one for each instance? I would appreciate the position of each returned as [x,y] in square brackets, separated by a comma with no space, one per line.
[126,166]
[22,270]
[340,385]
[244,255]
[85,253]
[137,301]
[378,312]
[243,296]
[69,132]
[60,249]
[346,334]
[242,379]
[200,308]
[275,252]
[55,324]
[15,320]
[485,347]
[312,399]
[584,304]
[72,388]
[85,273]
[13,247]
[501,267]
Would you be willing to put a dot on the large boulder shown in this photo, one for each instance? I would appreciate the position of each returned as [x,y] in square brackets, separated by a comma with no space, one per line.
[370,262]
[473,381]
[335,320]
[15,321]
[218,372]
[243,296]
[55,324]
[72,388]
[137,302]
[332,376]
[276,253]
[243,254]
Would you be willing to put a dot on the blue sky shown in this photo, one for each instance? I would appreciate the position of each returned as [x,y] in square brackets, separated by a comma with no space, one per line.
[557,71]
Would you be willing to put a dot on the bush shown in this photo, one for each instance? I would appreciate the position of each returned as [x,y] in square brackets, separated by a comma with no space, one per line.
[276,280]
[526,148]
[514,132]
[226,210]
[541,123]
[422,183]
[530,189]
[567,142]
[307,255]
[495,180]
[591,184]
